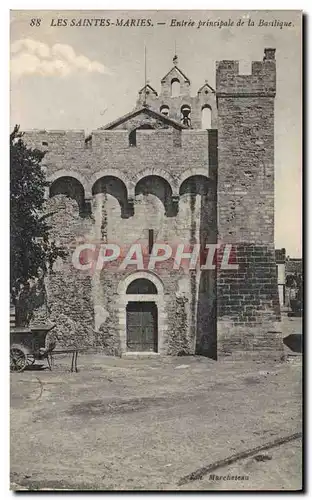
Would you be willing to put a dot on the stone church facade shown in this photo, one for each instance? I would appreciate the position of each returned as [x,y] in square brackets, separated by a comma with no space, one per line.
[177,169]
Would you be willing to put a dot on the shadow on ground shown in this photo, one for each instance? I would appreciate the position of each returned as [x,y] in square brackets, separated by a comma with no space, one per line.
[294,342]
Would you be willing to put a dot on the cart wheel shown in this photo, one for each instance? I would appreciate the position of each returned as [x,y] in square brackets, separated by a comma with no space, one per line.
[30,359]
[18,360]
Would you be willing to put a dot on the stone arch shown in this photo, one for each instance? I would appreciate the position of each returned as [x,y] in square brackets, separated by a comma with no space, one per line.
[72,188]
[158,173]
[109,172]
[148,275]
[141,286]
[160,188]
[203,172]
[70,173]
[195,184]
[113,186]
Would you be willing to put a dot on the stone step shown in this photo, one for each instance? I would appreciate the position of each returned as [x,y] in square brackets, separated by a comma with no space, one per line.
[140,355]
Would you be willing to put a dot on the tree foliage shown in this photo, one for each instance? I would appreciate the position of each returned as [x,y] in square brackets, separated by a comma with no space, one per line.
[32,252]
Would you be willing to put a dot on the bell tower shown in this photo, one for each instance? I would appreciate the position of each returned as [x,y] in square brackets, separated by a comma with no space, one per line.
[175,83]
[176,102]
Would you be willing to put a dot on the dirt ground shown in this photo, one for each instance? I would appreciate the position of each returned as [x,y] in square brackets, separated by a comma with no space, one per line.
[122,424]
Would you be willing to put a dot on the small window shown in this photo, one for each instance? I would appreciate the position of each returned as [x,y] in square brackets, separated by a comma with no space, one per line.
[88,141]
[44,143]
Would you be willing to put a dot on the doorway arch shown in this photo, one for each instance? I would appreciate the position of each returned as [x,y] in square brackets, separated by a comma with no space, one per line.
[141,286]
[141,314]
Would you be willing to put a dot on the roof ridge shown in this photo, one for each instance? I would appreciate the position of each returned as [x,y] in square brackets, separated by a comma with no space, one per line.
[148,85]
[139,110]
[179,70]
[206,84]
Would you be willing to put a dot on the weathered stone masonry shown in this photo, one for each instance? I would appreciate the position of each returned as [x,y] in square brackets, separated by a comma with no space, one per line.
[247,299]
[161,170]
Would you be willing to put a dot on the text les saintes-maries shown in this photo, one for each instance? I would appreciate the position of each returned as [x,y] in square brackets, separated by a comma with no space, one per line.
[100,22]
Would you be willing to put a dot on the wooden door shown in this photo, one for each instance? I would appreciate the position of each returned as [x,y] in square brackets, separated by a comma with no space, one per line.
[142,326]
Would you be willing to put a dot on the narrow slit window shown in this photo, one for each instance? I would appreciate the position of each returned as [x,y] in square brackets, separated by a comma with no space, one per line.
[132,138]
[150,240]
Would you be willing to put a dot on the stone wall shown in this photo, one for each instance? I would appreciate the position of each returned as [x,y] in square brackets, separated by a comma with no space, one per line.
[68,289]
[110,150]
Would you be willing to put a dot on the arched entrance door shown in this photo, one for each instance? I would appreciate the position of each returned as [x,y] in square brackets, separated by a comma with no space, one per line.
[141,317]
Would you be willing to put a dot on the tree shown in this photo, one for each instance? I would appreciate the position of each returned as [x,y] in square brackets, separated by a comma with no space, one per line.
[32,252]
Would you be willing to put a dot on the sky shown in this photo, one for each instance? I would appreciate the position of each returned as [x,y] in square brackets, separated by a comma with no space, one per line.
[82,77]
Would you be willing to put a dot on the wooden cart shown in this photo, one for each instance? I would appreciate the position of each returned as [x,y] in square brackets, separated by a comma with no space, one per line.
[28,345]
